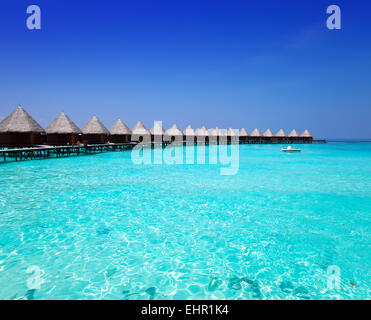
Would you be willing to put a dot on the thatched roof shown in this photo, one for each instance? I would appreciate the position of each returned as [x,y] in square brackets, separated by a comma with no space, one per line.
[306,134]
[157,129]
[255,133]
[231,132]
[203,132]
[293,133]
[243,133]
[281,133]
[223,132]
[268,133]
[215,132]
[119,128]
[140,129]
[189,131]
[174,131]
[20,121]
[94,126]
[62,125]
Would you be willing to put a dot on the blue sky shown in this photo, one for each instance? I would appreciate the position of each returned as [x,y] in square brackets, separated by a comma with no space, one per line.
[266,64]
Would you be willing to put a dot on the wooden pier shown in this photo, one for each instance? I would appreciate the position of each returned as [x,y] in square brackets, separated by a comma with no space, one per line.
[45,152]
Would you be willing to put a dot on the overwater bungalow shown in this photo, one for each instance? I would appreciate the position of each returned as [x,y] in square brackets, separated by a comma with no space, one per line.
[173,134]
[94,132]
[243,135]
[255,136]
[119,132]
[62,131]
[268,136]
[140,133]
[306,136]
[223,138]
[232,135]
[203,135]
[157,132]
[281,136]
[215,135]
[189,134]
[293,136]
[19,129]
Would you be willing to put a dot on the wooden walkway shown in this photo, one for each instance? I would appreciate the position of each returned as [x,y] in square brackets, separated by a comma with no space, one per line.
[45,152]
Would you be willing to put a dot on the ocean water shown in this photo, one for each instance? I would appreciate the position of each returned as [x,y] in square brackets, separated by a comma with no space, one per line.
[286,226]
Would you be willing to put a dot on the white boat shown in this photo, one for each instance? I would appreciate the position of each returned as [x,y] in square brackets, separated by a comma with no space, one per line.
[290,149]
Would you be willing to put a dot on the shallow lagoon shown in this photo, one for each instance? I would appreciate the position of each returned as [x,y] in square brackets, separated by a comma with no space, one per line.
[101,227]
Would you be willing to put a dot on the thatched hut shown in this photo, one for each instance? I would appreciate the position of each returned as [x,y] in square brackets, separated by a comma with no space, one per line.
[203,135]
[214,132]
[189,134]
[268,136]
[94,132]
[223,137]
[281,136]
[232,135]
[173,134]
[140,133]
[293,136]
[119,132]
[62,131]
[306,136]
[243,135]
[256,136]
[19,129]
[157,132]
[215,135]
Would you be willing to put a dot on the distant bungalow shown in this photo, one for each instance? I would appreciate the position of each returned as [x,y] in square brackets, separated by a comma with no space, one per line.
[243,135]
[306,136]
[231,133]
[203,134]
[223,136]
[173,134]
[189,134]
[293,135]
[140,133]
[268,136]
[62,131]
[280,136]
[215,132]
[256,135]
[215,135]
[94,132]
[19,129]
[119,132]
[157,132]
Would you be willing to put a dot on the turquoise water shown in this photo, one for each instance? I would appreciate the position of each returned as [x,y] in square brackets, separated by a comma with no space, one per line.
[101,227]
